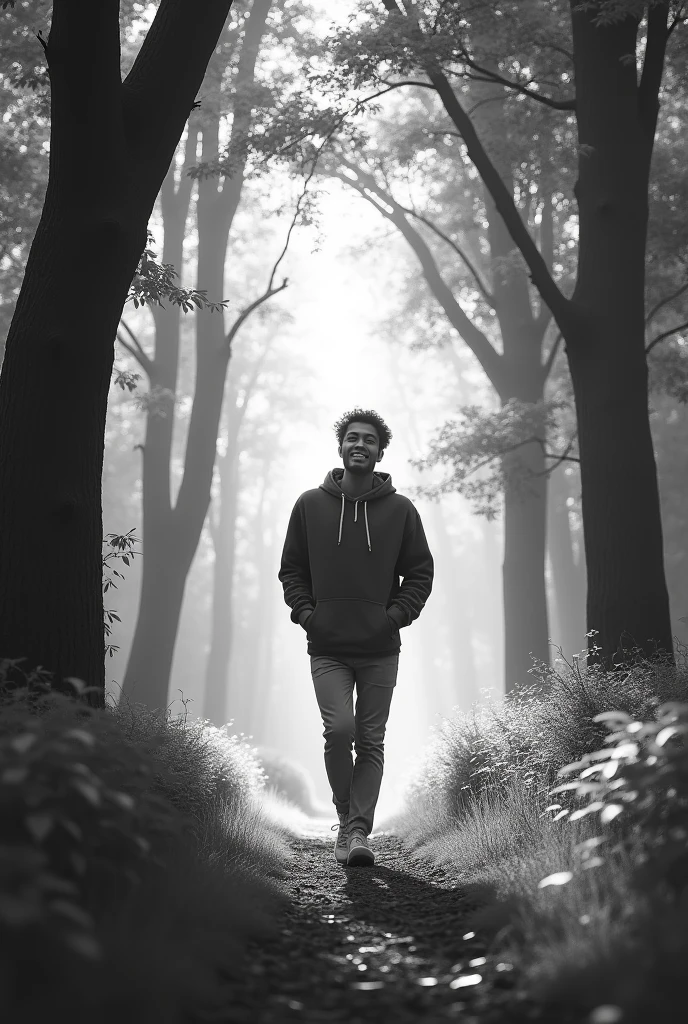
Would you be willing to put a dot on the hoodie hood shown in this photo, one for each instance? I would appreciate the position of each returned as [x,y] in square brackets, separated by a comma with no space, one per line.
[382,486]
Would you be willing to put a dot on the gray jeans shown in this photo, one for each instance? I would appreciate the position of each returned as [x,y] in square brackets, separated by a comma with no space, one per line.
[355,786]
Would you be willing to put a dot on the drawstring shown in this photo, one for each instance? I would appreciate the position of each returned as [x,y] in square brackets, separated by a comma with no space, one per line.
[365,516]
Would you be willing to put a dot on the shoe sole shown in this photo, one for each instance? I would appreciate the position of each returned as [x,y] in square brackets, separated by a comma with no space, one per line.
[362,857]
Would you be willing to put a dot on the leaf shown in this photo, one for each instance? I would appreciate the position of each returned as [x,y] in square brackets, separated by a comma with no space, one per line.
[619,717]
[14,776]
[558,878]
[88,791]
[39,825]
[596,805]
[610,812]
[20,744]
[87,738]
[671,730]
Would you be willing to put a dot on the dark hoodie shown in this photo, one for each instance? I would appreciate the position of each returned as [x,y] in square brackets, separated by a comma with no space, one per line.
[342,560]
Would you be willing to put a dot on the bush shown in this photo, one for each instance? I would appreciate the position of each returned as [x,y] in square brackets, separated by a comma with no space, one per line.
[134,862]
[589,902]
[533,733]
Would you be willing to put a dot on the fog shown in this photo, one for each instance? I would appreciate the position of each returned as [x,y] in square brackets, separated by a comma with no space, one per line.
[346,282]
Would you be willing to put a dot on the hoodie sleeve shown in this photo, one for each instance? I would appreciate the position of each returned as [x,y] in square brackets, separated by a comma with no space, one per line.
[415,564]
[295,573]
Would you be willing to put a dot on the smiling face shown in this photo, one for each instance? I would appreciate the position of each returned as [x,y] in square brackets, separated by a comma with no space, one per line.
[360,449]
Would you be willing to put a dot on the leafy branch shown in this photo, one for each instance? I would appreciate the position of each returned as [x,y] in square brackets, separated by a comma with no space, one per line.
[122,548]
[154,282]
[480,448]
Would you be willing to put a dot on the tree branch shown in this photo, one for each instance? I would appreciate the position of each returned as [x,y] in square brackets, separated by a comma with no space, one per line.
[135,349]
[666,334]
[493,77]
[665,302]
[490,299]
[549,362]
[163,83]
[477,341]
[559,305]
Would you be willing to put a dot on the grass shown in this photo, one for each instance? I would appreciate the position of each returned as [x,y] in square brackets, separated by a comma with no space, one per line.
[136,862]
[477,807]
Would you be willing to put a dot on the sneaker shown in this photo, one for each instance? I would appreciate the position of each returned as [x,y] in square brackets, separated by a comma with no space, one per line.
[341,847]
[360,854]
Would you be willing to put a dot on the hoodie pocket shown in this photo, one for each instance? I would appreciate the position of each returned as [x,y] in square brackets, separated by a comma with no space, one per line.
[349,624]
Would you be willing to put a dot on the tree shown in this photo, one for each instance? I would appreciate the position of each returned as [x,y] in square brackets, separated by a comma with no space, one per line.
[506,330]
[111,144]
[538,53]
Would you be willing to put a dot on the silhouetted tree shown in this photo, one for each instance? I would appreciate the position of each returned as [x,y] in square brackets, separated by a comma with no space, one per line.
[111,144]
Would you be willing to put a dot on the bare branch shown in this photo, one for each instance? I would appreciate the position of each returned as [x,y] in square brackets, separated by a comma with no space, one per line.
[477,341]
[245,314]
[135,349]
[666,334]
[552,296]
[458,250]
[549,362]
[485,75]
[665,302]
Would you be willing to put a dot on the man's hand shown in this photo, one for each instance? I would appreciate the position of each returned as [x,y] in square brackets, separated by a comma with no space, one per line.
[304,617]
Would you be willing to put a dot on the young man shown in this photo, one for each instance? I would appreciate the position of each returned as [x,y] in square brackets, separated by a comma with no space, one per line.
[348,542]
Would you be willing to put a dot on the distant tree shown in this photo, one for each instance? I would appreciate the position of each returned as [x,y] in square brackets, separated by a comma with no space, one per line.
[111,144]
[613,52]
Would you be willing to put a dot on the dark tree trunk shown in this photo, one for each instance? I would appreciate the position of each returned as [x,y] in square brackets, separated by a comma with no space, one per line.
[603,323]
[108,159]
[627,601]
[568,577]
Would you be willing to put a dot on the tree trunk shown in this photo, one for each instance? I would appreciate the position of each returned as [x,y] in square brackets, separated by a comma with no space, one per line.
[221,630]
[148,669]
[107,162]
[627,603]
[568,577]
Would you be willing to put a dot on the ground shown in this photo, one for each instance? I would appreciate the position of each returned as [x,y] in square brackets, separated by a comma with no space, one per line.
[387,943]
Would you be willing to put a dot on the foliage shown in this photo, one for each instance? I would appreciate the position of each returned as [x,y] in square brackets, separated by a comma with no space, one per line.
[154,282]
[122,547]
[479,442]
[127,884]
[640,781]
[591,913]
[537,731]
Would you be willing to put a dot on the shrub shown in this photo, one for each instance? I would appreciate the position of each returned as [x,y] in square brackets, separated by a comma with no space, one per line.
[128,885]
[533,733]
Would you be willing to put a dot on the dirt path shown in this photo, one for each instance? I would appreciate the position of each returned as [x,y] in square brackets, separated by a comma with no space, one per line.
[376,944]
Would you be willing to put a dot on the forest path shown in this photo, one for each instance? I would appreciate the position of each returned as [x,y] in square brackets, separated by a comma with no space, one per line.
[381,944]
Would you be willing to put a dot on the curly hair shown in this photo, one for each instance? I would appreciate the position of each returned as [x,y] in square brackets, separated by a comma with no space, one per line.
[363,416]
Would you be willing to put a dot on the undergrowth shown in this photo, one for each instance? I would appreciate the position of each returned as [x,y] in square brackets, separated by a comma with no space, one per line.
[135,861]
[584,888]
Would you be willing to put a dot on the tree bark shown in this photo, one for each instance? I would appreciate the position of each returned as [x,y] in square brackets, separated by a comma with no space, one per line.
[627,603]
[108,159]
